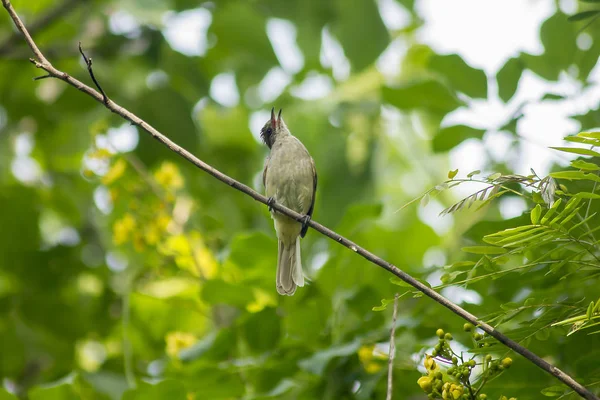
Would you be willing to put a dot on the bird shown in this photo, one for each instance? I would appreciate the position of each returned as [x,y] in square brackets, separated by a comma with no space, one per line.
[290,179]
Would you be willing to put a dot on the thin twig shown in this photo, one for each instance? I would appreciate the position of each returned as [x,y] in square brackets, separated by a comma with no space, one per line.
[44,64]
[39,78]
[392,354]
[88,63]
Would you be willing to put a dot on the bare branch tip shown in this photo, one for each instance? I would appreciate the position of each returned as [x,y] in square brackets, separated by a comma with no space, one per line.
[39,78]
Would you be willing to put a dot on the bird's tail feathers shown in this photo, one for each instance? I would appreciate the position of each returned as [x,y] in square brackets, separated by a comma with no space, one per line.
[289,267]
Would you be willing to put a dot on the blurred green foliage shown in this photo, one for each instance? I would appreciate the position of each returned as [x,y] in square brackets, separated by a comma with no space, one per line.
[127,273]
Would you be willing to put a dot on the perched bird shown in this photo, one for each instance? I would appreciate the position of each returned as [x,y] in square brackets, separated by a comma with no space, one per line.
[290,179]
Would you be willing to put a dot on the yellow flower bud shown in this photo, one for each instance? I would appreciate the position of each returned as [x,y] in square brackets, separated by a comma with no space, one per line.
[425,383]
[507,362]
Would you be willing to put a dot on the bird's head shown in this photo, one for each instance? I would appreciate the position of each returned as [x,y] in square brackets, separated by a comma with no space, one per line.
[273,129]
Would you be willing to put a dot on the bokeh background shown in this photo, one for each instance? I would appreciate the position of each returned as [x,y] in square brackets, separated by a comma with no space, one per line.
[121,264]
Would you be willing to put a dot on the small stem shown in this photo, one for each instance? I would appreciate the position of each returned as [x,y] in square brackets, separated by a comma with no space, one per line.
[127,354]
[392,349]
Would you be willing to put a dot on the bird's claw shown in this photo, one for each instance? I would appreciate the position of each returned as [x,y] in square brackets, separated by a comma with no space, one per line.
[270,203]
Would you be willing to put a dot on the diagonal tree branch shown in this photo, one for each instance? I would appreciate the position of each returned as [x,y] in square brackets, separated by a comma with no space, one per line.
[41,62]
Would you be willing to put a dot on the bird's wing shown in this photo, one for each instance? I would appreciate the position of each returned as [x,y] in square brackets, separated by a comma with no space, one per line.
[265,173]
[314,195]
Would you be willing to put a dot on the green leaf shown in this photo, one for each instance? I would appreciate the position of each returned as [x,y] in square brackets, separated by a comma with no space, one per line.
[575,175]
[216,291]
[576,150]
[428,94]
[535,214]
[71,387]
[587,195]
[357,215]
[399,282]
[493,177]
[384,304]
[591,135]
[584,140]
[361,46]
[590,308]
[262,330]
[552,96]
[167,389]
[558,36]
[4,395]
[551,211]
[553,391]
[583,15]
[243,42]
[483,250]
[318,361]
[508,78]
[452,174]
[509,306]
[448,138]
[587,166]
[460,75]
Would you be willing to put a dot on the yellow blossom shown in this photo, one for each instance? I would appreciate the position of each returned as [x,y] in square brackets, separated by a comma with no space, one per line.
[262,299]
[152,233]
[168,176]
[123,229]
[177,341]
[367,357]
[429,363]
[115,172]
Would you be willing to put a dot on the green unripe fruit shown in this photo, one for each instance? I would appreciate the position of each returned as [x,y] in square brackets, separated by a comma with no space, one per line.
[471,363]
[440,333]
[438,375]
[488,358]
[477,336]
[483,396]
[448,336]
[507,362]
[468,327]
[454,360]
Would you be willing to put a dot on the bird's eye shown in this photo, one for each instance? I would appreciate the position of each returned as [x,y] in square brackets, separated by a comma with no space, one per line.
[269,131]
